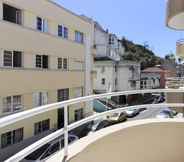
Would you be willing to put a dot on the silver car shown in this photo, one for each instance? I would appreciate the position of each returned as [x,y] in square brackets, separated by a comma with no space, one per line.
[49,149]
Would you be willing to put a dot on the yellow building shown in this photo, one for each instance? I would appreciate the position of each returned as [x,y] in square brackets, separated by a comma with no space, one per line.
[45,56]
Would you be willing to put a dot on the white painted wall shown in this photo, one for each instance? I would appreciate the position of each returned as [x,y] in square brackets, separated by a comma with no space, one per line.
[149,81]
[106,70]
[125,76]
[101,42]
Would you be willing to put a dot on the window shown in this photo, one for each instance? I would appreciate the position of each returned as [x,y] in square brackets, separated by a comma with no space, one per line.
[45,25]
[41,126]
[12,59]
[65,64]
[60,30]
[12,14]
[8,58]
[42,61]
[63,94]
[40,98]
[12,104]
[39,24]
[60,63]
[133,84]
[12,137]
[65,32]
[79,37]
[103,81]
[78,114]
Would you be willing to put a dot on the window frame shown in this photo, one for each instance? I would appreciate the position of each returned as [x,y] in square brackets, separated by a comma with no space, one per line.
[60,63]
[12,137]
[79,37]
[60,33]
[40,98]
[65,32]
[65,64]
[18,19]
[39,127]
[13,53]
[12,104]
[41,64]
[39,27]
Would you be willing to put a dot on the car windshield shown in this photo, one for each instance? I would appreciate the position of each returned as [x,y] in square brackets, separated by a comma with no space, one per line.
[36,154]
[103,124]
[115,115]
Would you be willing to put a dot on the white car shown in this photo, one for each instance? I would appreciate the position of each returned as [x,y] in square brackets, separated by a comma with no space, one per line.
[168,113]
[49,149]
[132,112]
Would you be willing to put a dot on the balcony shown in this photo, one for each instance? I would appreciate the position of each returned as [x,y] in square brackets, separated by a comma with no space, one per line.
[175,14]
[146,140]
[140,141]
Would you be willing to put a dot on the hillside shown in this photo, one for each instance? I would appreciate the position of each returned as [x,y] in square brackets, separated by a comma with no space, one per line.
[140,53]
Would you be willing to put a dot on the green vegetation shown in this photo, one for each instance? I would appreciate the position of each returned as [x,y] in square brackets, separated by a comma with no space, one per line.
[140,53]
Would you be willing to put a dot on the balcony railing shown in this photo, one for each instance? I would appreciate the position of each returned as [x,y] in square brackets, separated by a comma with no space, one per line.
[30,113]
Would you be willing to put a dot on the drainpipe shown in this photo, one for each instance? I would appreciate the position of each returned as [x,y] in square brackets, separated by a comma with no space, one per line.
[88,68]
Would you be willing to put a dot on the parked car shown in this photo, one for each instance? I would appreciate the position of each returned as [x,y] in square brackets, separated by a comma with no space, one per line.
[132,112]
[118,117]
[142,109]
[49,149]
[160,99]
[167,113]
[82,130]
[109,121]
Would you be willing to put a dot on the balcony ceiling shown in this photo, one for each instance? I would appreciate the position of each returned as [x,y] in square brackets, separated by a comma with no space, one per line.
[175,14]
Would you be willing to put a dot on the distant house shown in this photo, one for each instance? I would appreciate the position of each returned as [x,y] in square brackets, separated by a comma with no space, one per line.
[155,77]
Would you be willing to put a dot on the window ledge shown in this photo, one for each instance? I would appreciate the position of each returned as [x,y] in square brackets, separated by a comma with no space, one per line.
[38,69]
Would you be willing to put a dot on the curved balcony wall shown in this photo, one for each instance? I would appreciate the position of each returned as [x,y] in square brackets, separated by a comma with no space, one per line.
[180,48]
[138,141]
[175,14]
[135,141]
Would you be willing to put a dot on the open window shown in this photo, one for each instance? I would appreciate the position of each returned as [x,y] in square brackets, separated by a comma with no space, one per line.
[12,14]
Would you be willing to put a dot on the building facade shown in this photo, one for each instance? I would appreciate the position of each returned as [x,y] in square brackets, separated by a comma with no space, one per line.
[44,58]
[112,72]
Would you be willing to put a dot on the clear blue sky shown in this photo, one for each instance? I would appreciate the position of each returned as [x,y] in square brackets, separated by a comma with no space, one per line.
[138,20]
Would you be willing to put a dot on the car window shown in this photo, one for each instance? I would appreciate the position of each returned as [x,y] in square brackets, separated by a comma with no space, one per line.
[102,124]
[36,154]
[52,149]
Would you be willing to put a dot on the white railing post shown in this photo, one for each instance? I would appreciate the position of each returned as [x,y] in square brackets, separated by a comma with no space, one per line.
[65,132]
